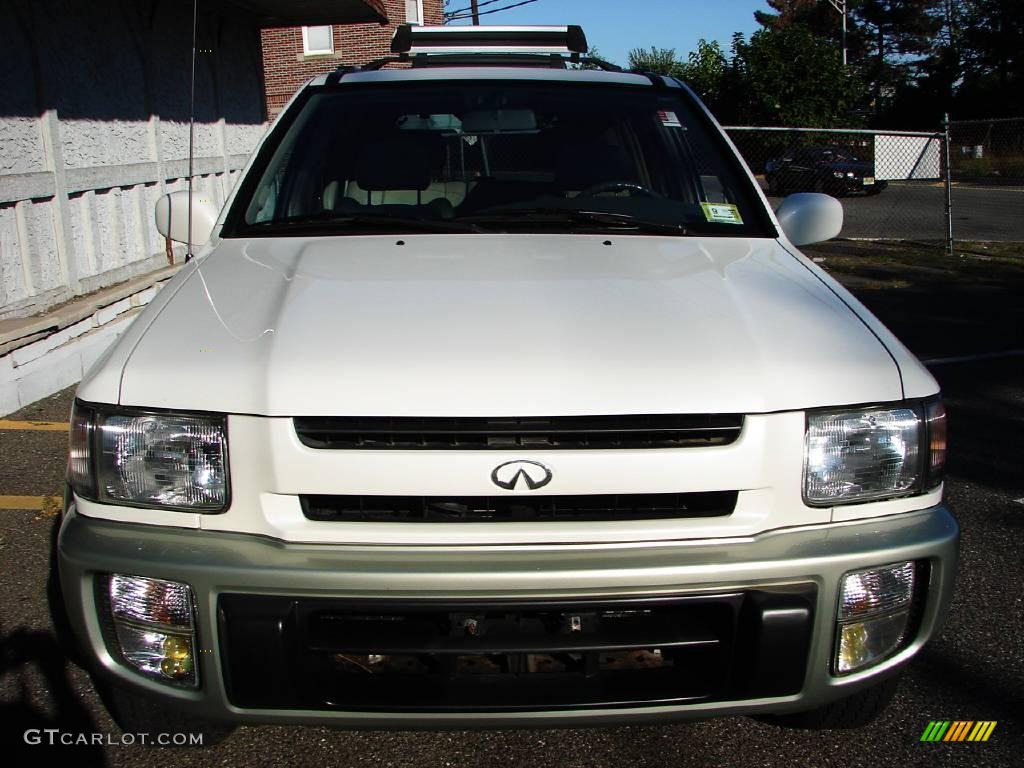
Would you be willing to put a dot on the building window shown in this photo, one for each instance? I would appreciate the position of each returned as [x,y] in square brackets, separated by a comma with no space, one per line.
[317,40]
[414,11]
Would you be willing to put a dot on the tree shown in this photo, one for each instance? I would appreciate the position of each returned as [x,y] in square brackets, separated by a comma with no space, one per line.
[789,76]
[786,12]
[706,72]
[820,17]
[902,35]
[660,61]
[587,62]
[781,76]
[991,38]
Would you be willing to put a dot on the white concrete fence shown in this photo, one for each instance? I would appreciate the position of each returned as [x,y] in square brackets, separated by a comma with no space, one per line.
[94,109]
[69,227]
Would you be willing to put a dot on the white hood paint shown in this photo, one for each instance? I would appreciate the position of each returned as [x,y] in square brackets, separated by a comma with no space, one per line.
[496,325]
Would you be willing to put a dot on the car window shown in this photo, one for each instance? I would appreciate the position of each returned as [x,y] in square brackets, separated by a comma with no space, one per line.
[505,156]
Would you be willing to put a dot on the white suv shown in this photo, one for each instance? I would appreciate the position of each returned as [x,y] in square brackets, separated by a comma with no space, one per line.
[498,395]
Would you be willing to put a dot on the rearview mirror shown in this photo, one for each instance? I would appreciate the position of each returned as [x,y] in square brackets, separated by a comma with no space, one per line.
[172,217]
[809,217]
[493,121]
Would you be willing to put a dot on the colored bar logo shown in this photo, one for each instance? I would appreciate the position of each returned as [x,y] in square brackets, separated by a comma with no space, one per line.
[958,730]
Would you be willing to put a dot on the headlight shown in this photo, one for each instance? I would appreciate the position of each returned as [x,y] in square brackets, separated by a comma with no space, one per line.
[149,459]
[873,453]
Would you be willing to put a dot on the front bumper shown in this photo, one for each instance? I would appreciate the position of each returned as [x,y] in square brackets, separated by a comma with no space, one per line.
[856,186]
[802,564]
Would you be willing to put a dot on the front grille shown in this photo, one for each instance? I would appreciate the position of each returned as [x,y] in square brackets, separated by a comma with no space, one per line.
[534,433]
[427,656]
[519,508]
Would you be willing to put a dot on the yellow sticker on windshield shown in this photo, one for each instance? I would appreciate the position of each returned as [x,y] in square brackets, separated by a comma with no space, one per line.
[722,212]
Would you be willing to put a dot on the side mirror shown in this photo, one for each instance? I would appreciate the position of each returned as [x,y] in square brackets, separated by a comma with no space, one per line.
[172,217]
[809,217]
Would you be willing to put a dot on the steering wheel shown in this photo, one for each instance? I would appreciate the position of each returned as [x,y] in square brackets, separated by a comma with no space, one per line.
[617,186]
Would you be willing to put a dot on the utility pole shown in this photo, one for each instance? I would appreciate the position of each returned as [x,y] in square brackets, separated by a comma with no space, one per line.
[839,5]
[476,11]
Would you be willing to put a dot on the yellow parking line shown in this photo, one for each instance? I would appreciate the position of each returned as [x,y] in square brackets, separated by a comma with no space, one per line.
[42,426]
[23,502]
[50,506]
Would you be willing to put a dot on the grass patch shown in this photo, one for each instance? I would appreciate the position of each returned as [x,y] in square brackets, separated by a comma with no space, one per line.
[877,265]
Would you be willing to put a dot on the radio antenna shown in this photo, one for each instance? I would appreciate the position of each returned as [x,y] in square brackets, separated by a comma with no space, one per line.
[192,125]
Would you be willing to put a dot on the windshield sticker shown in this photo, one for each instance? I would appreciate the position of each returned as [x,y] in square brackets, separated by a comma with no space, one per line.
[722,212]
[669,118]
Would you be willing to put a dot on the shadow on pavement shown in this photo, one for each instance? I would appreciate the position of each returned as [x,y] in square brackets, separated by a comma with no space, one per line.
[30,660]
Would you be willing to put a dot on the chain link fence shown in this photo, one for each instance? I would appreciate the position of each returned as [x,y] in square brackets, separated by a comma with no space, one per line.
[891,183]
[988,151]
[987,169]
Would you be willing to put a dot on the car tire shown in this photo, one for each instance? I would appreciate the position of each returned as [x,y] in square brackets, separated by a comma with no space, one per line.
[856,711]
[138,714]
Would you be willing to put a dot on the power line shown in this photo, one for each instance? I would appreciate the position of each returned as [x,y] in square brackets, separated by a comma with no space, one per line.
[469,8]
[494,10]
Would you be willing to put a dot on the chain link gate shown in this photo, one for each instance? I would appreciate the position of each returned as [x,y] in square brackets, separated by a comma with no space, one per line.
[987,171]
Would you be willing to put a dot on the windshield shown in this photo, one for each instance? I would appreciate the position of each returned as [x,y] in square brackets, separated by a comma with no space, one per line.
[473,156]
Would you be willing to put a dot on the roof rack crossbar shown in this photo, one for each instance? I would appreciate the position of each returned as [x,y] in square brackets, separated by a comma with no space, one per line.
[565,40]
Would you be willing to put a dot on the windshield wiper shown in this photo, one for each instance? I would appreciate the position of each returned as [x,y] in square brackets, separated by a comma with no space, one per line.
[328,222]
[578,216]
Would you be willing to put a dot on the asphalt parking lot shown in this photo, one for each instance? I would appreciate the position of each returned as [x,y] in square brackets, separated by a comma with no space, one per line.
[917,211]
[948,310]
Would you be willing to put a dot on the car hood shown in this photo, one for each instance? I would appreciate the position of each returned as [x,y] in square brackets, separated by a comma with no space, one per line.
[496,325]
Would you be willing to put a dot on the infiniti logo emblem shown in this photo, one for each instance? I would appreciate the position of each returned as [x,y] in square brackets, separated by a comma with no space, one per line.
[516,474]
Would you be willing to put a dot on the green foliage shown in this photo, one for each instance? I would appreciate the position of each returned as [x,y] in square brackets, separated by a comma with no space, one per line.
[988,36]
[706,71]
[783,76]
[922,58]
[593,53]
[788,76]
[660,61]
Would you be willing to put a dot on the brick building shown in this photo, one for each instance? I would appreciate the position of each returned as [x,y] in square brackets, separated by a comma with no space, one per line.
[292,55]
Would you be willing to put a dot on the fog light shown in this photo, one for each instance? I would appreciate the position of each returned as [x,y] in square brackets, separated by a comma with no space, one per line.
[873,615]
[863,643]
[153,621]
[157,654]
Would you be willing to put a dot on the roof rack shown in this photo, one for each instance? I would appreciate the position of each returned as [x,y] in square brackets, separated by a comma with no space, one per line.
[553,47]
[415,40]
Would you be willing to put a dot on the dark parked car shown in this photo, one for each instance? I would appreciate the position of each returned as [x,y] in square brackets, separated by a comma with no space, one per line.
[833,170]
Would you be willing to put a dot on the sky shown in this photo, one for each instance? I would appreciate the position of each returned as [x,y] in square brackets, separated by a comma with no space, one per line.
[616,26]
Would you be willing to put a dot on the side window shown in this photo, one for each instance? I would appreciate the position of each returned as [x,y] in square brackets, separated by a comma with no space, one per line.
[317,40]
